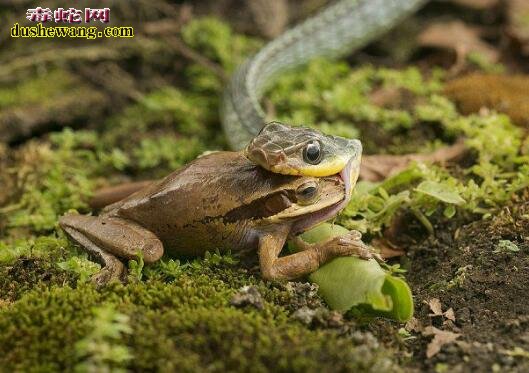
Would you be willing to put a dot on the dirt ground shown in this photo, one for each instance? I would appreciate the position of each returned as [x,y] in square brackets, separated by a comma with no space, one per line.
[485,286]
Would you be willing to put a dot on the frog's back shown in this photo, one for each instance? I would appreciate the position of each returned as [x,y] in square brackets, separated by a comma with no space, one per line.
[186,208]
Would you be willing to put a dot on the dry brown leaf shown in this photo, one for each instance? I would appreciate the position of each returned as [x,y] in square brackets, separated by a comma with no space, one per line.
[450,315]
[477,4]
[440,338]
[506,94]
[435,307]
[518,22]
[270,16]
[458,37]
[385,249]
[414,325]
[388,97]
[379,167]
[108,195]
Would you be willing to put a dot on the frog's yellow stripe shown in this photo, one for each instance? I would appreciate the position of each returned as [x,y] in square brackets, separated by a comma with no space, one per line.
[326,168]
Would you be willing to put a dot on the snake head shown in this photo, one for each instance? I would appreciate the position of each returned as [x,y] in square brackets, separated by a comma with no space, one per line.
[288,150]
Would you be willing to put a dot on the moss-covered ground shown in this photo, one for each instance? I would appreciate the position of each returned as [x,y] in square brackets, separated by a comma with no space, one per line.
[464,226]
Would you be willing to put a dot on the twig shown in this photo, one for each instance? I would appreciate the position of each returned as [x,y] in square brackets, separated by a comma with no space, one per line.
[196,57]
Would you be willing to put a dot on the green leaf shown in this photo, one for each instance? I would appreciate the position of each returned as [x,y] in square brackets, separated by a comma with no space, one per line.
[349,282]
[449,211]
[439,191]
[400,293]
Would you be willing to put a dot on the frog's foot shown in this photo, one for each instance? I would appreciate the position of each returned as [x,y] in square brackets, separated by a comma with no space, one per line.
[113,270]
[350,244]
[306,261]
[107,238]
[345,245]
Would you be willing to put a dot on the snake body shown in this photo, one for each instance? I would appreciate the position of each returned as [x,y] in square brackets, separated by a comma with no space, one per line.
[337,30]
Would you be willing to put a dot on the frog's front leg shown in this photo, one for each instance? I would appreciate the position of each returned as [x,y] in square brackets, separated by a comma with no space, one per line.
[109,238]
[310,258]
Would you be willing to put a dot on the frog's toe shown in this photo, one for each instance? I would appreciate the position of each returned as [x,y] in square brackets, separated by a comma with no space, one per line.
[114,270]
[367,252]
[351,244]
[354,235]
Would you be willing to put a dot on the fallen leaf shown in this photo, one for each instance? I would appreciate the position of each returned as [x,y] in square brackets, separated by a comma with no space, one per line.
[413,325]
[477,4]
[458,37]
[518,25]
[440,338]
[449,314]
[506,94]
[435,307]
[270,17]
[108,195]
[348,282]
[379,167]
[385,249]
[390,97]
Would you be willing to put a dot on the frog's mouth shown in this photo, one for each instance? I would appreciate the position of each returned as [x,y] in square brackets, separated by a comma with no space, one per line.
[349,175]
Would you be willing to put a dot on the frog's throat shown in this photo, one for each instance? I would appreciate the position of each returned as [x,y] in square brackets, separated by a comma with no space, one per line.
[349,175]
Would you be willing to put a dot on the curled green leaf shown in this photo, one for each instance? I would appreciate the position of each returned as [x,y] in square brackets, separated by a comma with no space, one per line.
[351,282]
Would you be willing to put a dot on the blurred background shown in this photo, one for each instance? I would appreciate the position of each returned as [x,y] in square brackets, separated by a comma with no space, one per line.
[77,115]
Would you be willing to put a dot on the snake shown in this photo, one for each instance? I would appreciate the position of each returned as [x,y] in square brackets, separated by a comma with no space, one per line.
[339,29]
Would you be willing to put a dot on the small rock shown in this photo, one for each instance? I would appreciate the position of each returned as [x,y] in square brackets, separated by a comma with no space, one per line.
[247,296]
[302,288]
[305,315]
[335,319]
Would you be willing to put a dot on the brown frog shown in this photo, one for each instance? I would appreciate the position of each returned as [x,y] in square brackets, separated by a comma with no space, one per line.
[226,201]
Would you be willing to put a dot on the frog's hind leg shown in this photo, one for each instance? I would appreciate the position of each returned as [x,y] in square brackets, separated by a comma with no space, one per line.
[108,238]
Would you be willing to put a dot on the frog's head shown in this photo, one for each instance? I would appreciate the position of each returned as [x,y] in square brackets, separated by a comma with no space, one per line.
[306,201]
[301,151]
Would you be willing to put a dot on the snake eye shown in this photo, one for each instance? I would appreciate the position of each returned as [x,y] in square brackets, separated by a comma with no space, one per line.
[312,152]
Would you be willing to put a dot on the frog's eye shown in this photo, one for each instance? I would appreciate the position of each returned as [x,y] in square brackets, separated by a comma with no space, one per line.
[312,152]
[307,192]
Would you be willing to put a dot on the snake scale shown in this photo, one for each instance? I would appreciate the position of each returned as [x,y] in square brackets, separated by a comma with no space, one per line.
[339,29]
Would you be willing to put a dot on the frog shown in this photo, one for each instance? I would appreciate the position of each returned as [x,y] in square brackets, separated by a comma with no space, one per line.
[227,201]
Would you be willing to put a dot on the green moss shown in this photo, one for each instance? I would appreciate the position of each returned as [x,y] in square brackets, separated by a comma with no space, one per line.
[484,64]
[499,170]
[168,153]
[216,41]
[332,92]
[43,90]
[51,180]
[40,247]
[186,325]
[168,108]
[103,348]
